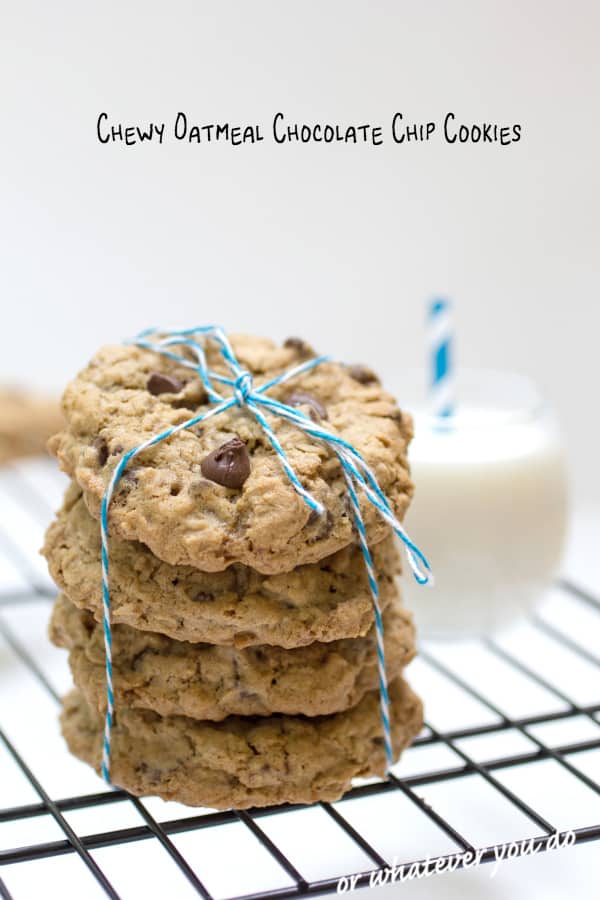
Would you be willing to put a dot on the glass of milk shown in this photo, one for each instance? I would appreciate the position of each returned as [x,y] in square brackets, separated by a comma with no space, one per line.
[490,502]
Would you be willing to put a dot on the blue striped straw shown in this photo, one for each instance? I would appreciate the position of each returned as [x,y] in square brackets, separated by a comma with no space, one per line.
[442,400]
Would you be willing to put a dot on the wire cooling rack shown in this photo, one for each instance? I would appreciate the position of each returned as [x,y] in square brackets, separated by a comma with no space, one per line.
[510,755]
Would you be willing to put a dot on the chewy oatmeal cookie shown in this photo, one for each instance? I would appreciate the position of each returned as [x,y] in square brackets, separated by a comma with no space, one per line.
[319,602]
[217,494]
[243,762]
[205,681]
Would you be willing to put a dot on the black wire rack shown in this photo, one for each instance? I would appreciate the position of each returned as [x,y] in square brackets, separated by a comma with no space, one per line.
[295,851]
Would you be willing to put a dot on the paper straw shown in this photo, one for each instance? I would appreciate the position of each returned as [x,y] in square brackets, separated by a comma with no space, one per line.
[442,400]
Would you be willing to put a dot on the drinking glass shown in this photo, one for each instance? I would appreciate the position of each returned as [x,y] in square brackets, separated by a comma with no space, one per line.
[490,502]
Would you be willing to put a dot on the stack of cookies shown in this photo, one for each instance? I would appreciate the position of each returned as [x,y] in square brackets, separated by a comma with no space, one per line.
[244,657]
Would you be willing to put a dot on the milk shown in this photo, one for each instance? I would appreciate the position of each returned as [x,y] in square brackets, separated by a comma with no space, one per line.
[489,512]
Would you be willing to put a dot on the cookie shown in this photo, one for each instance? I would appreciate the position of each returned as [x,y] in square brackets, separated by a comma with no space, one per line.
[204,681]
[217,494]
[324,601]
[243,762]
[27,420]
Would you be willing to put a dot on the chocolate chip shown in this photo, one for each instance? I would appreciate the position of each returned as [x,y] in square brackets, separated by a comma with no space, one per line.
[301,347]
[185,403]
[203,597]
[313,517]
[163,384]
[135,662]
[316,409]
[228,465]
[325,528]
[193,397]
[363,375]
[101,448]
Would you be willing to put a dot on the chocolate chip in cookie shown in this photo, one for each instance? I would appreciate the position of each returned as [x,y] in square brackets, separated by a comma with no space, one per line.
[228,465]
[363,375]
[206,527]
[158,383]
[301,347]
[316,409]
[325,528]
[186,403]
[101,448]
[129,478]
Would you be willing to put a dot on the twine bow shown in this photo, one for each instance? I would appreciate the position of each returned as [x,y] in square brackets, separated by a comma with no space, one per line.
[245,395]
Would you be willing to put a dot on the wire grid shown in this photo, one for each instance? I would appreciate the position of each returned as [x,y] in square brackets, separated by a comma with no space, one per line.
[28,494]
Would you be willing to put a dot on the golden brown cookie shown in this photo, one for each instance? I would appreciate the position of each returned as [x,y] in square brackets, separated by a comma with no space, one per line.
[217,494]
[324,601]
[205,681]
[243,762]
[26,422]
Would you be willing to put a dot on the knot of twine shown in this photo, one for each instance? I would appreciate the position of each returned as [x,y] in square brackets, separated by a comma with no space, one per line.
[357,474]
[243,388]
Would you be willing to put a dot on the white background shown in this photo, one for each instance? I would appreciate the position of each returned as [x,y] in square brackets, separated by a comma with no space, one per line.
[341,245]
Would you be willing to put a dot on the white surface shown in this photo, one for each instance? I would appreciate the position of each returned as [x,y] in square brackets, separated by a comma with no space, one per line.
[229,859]
[343,245]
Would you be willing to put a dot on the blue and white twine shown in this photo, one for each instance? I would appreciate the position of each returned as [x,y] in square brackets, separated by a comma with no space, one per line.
[246,396]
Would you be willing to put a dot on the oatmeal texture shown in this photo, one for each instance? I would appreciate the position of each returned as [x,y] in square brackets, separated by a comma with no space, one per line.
[324,601]
[243,762]
[246,511]
[206,681]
